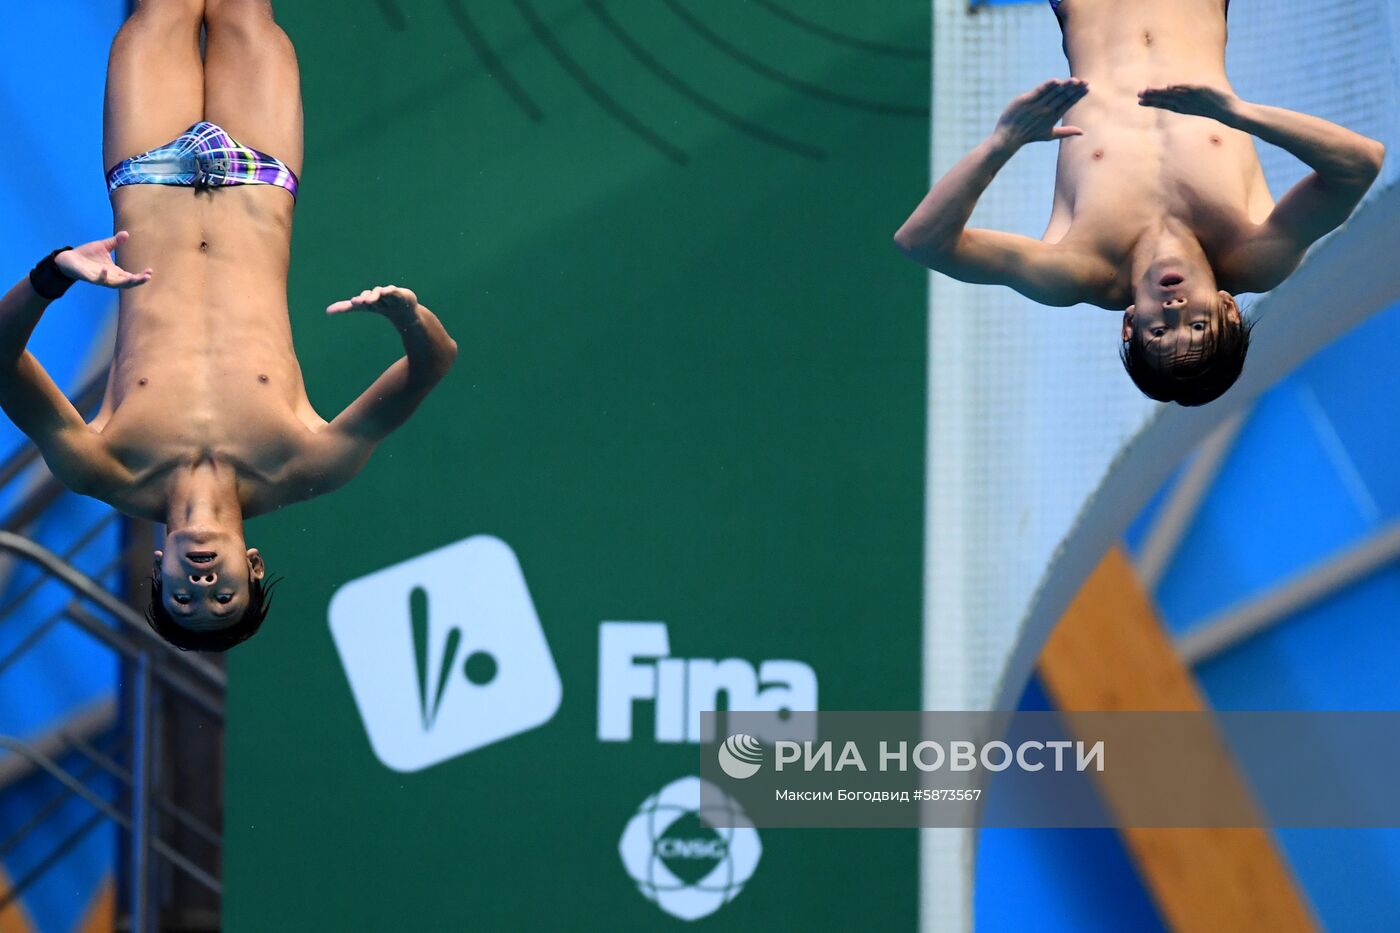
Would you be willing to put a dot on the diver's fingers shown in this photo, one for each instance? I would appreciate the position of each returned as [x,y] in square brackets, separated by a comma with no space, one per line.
[1041,92]
[128,280]
[1068,97]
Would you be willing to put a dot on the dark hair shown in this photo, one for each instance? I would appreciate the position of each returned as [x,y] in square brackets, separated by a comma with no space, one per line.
[1201,375]
[247,625]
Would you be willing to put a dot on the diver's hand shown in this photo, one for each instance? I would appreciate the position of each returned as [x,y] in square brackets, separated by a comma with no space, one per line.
[92,262]
[1032,116]
[1197,100]
[428,348]
[397,304]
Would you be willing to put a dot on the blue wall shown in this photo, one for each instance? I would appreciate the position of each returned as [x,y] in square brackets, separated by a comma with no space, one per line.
[53,59]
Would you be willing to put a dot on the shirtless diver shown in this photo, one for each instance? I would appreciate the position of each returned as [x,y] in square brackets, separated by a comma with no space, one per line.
[205,420]
[1160,202]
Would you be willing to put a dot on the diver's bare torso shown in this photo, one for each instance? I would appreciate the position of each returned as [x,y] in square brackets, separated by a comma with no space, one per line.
[205,420]
[204,367]
[1136,167]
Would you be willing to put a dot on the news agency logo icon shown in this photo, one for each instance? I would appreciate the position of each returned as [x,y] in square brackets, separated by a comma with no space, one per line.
[687,868]
[740,756]
[444,653]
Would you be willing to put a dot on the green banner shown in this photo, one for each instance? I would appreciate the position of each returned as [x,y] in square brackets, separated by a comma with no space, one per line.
[678,465]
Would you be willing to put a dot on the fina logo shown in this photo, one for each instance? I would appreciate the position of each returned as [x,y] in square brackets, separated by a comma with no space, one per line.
[689,869]
[741,756]
[444,653]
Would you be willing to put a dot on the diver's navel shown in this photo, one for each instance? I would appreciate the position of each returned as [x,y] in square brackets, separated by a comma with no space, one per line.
[1215,140]
[1098,153]
[141,381]
[262,377]
[1146,37]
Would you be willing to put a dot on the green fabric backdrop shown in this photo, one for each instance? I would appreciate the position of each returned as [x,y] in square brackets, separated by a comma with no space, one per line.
[690,389]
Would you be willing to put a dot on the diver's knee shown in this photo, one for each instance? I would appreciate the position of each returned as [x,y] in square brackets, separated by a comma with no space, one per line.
[172,11]
[238,14]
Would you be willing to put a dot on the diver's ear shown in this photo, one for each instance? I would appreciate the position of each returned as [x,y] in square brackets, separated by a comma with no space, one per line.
[155,568]
[255,564]
[1232,307]
[1128,317]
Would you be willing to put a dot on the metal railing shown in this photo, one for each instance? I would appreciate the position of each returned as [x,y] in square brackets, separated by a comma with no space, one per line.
[155,667]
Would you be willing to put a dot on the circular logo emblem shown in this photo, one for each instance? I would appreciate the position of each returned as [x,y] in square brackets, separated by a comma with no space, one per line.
[689,869]
[741,756]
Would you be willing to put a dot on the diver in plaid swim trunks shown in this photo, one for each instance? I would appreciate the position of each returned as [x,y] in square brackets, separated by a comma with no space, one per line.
[1161,207]
[204,156]
[205,421]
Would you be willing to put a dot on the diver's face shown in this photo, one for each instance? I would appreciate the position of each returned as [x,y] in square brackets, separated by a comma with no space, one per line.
[205,585]
[1173,314]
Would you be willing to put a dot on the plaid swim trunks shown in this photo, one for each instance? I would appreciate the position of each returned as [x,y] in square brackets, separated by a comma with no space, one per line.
[204,156]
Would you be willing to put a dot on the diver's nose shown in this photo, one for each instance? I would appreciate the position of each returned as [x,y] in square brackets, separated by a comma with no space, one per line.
[205,579]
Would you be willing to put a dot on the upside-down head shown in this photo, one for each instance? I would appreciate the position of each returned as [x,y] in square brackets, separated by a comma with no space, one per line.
[208,592]
[1183,343]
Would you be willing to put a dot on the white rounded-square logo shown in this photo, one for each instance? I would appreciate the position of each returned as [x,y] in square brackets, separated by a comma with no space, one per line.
[444,653]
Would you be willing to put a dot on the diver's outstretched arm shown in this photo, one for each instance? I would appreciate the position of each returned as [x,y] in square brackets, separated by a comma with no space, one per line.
[23,306]
[1339,156]
[428,355]
[1344,163]
[342,447]
[936,234]
[28,394]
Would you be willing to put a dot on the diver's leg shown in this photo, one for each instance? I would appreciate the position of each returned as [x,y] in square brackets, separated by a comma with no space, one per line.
[252,86]
[155,79]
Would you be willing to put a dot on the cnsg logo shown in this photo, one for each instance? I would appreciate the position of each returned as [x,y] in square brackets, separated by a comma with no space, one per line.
[687,868]
[444,653]
[740,756]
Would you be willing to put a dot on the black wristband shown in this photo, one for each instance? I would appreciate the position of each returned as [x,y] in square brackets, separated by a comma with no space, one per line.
[47,279]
